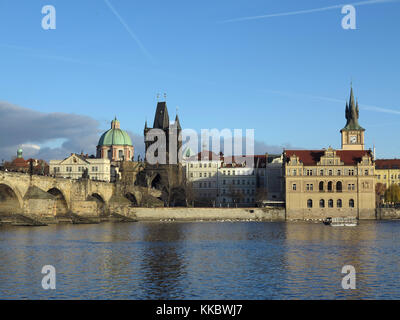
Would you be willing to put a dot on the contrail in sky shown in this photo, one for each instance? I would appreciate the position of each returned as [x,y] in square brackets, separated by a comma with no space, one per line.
[362,106]
[292,13]
[132,34]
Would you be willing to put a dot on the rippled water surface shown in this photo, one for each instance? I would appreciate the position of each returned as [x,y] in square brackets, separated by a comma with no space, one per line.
[201,261]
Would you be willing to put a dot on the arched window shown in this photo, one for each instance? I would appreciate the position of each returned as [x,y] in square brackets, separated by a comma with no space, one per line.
[322,203]
[309,203]
[339,186]
[330,186]
[321,186]
[351,203]
[330,203]
[339,203]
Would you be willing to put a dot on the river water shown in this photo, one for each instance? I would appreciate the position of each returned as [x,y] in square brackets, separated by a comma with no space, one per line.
[207,260]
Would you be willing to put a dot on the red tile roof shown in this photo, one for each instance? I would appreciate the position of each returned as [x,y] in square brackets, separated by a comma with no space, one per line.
[20,162]
[387,164]
[312,157]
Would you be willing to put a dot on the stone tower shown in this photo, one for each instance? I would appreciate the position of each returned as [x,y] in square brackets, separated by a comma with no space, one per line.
[171,131]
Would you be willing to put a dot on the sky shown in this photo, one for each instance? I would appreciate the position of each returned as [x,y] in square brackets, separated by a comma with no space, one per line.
[282,68]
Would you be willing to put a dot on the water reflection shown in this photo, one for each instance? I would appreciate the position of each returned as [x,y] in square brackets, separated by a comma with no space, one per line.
[163,262]
[200,261]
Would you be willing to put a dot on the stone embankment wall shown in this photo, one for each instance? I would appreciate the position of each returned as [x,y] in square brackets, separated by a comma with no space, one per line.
[322,213]
[207,214]
[388,213]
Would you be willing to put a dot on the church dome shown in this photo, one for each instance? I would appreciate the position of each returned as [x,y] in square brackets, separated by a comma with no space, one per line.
[115,136]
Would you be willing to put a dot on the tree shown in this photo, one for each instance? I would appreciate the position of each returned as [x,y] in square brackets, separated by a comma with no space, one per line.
[261,195]
[189,194]
[235,194]
[392,194]
[380,189]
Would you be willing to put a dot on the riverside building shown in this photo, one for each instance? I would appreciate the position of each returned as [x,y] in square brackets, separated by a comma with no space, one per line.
[328,182]
[387,171]
[228,182]
[74,166]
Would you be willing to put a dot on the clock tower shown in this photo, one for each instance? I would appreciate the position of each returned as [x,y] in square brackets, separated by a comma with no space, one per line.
[352,133]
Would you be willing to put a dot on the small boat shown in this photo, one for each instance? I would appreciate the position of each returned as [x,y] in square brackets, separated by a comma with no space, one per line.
[341,222]
[327,221]
[350,222]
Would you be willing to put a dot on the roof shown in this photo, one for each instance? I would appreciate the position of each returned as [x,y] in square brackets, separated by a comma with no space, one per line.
[161,119]
[387,164]
[259,161]
[115,137]
[20,162]
[312,157]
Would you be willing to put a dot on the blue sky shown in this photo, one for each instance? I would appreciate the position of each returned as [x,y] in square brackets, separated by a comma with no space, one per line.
[286,76]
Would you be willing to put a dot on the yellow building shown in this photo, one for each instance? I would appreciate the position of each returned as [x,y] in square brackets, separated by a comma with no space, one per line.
[387,171]
[332,183]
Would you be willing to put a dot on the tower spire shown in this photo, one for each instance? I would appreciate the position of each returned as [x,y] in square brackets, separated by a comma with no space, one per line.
[352,113]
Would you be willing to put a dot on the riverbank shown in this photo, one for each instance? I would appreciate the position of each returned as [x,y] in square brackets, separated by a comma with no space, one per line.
[132,214]
[208,214]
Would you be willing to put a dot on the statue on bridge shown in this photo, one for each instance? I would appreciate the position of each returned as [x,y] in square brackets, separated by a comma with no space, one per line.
[85,174]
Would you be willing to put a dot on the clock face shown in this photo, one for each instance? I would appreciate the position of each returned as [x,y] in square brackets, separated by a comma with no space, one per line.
[353,139]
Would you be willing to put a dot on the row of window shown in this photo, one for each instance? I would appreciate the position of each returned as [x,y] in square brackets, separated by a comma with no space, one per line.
[239,191]
[238,182]
[339,203]
[201,174]
[80,169]
[204,184]
[203,165]
[321,186]
[313,172]
[350,186]
[247,200]
[239,173]
[393,176]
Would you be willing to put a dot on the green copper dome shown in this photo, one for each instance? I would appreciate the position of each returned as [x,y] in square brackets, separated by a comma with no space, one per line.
[115,136]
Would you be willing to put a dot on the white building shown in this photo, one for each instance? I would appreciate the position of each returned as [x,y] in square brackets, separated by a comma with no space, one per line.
[202,174]
[230,182]
[74,166]
[237,184]
[274,178]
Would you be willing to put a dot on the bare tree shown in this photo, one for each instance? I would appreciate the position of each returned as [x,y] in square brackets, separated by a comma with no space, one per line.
[380,190]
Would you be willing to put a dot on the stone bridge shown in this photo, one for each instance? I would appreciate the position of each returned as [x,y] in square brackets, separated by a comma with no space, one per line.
[45,196]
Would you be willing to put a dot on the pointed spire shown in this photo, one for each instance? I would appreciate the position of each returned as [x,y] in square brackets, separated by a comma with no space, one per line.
[357,109]
[161,119]
[352,113]
[177,123]
[351,102]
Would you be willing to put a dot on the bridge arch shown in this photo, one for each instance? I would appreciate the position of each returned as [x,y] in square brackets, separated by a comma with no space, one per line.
[101,203]
[10,199]
[98,197]
[156,182]
[132,198]
[61,205]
